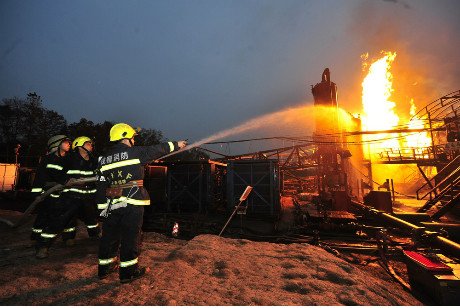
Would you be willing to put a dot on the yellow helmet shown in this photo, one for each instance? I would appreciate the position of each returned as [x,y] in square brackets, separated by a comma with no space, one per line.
[80,141]
[122,131]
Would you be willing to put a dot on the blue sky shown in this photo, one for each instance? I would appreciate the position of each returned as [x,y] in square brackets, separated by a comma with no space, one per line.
[191,68]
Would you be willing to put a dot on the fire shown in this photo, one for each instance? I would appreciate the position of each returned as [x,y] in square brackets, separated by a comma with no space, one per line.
[417,140]
[378,110]
[379,113]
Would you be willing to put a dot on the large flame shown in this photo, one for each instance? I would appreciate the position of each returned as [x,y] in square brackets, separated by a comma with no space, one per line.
[379,114]
[378,110]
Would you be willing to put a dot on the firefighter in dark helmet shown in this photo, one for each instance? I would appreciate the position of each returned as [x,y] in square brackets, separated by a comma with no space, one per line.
[123,197]
[80,201]
[49,172]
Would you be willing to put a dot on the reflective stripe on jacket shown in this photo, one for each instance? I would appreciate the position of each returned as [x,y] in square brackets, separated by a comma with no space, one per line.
[50,170]
[78,167]
[122,164]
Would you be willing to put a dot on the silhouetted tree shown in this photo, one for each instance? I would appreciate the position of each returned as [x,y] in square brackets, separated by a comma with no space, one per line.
[83,127]
[99,133]
[28,123]
[149,136]
[11,119]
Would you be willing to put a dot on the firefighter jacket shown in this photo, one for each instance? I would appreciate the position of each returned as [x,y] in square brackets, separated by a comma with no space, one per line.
[50,171]
[123,164]
[78,167]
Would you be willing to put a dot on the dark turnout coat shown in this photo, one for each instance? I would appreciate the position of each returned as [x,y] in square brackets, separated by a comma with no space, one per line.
[77,167]
[123,164]
[51,171]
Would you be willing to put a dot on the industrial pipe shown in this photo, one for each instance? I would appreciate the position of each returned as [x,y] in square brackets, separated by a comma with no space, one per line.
[433,237]
[413,217]
[387,217]
[453,229]
[448,245]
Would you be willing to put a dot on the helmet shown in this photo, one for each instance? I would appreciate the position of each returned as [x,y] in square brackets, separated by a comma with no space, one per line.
[55,141]
[122,131]
[80,141]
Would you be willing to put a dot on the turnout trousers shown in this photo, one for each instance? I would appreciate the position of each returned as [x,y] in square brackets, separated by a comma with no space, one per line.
[121,230]
[58,217]
[83,209]
[43,217]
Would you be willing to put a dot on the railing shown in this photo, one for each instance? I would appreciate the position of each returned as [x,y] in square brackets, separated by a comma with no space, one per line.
[447,189]
[437,190]
[443,173]
[293,157]
[412,176]
[446,207]
[407,154]
[440,108]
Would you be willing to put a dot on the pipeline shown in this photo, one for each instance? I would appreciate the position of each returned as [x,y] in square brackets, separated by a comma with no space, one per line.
[420,232]
[413,217]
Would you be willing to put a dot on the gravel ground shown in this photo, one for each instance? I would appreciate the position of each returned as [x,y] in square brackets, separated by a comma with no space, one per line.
[207,270]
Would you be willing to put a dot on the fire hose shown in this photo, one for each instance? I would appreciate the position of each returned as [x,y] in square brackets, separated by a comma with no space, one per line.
[382,244]
[58,187]
[71,183]
[186,148]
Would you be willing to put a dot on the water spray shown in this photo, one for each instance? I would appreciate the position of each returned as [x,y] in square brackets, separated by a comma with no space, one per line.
[283,117]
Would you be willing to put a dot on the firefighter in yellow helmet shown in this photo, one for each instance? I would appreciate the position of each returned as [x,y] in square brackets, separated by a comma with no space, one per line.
[49,171]
[80,202]
[122,199]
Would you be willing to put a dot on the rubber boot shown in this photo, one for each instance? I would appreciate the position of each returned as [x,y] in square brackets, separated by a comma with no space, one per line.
[70,242]
[105,271]
[138,273]
[42,253]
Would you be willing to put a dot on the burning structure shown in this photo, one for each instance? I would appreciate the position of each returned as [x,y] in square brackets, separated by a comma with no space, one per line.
[326,184]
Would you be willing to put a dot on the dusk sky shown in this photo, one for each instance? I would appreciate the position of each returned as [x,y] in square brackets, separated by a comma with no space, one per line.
[191,68]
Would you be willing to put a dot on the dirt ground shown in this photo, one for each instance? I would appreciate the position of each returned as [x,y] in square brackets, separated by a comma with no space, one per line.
[207,270]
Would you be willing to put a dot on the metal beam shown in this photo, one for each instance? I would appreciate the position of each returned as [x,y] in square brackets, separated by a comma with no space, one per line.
[395,131]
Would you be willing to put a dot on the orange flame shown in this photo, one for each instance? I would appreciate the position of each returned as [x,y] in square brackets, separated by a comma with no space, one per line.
[378,110]
[417,140]
[379,113]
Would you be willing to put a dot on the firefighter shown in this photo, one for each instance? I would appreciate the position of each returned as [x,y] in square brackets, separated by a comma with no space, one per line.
[49,172]
[80,201]
[120,185]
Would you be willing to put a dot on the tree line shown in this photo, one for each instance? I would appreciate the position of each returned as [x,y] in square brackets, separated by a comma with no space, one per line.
[26,125]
